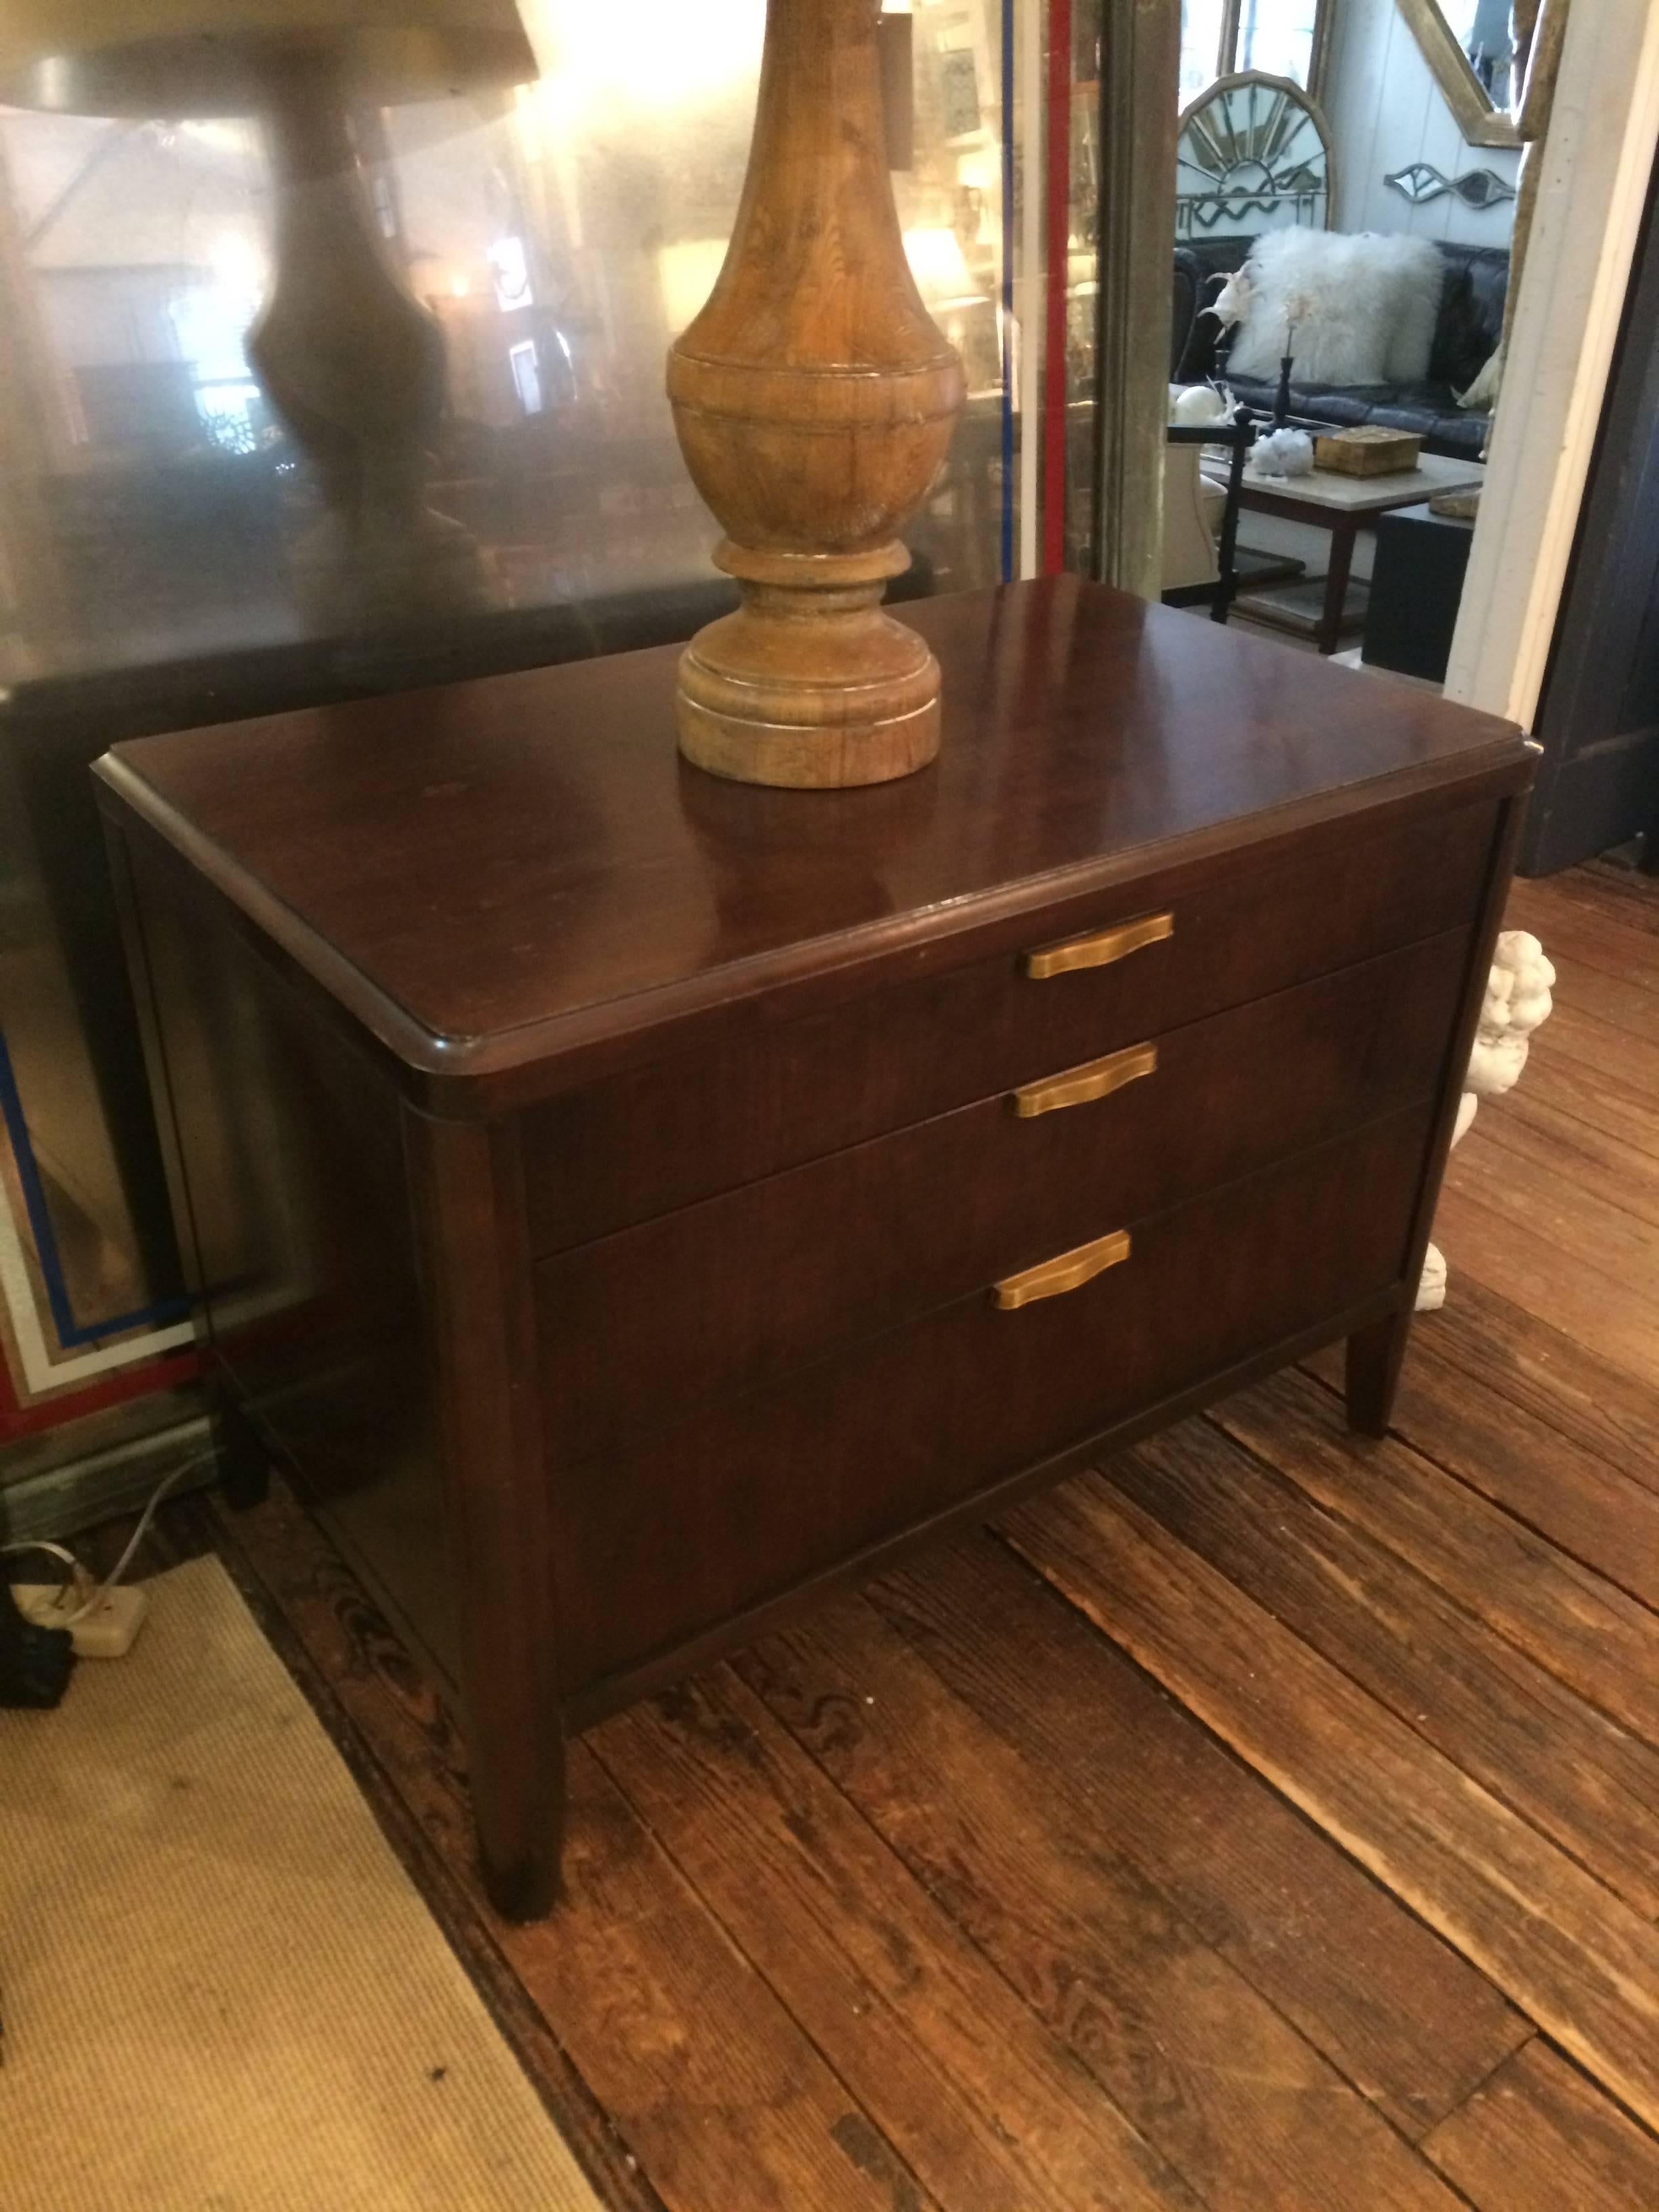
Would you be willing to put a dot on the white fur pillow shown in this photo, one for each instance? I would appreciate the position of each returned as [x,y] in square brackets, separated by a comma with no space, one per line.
[1365,307]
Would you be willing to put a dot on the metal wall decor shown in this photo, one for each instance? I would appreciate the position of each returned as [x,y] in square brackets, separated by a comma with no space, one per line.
[1253,154]
[1476,188]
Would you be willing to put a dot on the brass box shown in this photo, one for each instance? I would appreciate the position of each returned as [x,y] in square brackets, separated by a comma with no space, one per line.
[1368,450]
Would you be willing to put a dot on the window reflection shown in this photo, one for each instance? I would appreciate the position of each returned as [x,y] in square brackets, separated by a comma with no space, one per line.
[189,429]
[1278,36]
[1201,45]
[334,361]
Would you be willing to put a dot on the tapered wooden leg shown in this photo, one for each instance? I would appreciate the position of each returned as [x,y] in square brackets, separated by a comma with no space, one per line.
[467,1184]
[1375,1357]
[518,1803]
[1376,1354]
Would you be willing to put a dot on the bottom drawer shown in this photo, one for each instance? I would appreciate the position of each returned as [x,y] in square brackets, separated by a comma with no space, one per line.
[754,1493]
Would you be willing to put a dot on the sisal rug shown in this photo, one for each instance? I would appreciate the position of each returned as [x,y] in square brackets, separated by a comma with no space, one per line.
[221,1991]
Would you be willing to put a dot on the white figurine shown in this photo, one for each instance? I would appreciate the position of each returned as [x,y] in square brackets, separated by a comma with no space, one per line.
[1517,1000]
[1232,302]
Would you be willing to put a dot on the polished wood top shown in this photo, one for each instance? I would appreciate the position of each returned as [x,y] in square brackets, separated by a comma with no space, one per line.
[495,871]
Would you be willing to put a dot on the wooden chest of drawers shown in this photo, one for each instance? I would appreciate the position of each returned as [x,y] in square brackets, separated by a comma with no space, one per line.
[627,1200]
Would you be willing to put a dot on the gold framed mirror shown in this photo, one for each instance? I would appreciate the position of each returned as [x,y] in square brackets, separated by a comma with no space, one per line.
[1469,47]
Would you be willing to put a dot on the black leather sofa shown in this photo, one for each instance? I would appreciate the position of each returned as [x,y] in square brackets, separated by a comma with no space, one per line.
[1470,323]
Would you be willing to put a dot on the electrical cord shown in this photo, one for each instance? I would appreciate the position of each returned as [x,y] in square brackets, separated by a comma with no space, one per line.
[112,1581]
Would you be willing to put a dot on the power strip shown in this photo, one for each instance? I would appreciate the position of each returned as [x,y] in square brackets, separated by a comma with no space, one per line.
[105,1632]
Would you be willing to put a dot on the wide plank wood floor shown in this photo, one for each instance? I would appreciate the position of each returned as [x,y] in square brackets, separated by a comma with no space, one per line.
[1268,1819]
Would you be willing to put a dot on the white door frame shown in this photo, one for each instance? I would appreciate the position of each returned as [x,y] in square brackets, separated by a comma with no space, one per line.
[1598,159]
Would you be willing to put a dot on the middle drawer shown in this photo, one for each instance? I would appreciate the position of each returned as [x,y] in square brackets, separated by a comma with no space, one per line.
[738,1289]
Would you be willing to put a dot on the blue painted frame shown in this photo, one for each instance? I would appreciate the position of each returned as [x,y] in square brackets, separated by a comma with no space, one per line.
[70,1332]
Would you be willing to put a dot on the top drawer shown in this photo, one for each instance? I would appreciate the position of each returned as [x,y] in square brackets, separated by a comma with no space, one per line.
[641,1145]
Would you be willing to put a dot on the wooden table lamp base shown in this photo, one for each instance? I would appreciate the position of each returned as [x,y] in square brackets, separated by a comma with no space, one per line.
[814,399]
[809,684]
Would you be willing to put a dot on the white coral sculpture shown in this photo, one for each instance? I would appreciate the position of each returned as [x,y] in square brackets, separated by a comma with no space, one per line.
[1283,453]
[1517,1000]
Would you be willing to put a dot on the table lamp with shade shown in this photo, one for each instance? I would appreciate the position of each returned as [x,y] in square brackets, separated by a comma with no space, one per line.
[350,362]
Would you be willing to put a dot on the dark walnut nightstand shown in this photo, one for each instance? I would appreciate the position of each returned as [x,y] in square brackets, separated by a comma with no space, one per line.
[627,1200]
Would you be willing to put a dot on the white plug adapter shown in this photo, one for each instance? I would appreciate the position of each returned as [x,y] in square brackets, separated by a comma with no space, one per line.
[105,1632]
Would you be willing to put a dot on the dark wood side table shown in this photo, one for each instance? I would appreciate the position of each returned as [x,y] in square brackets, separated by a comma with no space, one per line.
[628,1199]
[1417,585]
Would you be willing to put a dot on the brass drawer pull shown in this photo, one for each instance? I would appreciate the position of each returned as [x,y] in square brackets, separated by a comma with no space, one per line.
[1097,1079]
[1100,950]
[1068,1270]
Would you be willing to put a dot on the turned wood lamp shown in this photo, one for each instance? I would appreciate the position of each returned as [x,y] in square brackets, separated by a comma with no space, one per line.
[814,398]
[352,364]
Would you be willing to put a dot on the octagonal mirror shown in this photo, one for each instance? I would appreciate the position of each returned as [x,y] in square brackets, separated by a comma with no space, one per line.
[1471,47]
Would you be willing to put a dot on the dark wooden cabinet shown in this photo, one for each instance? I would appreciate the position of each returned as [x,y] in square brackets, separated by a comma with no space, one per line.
[628,1200]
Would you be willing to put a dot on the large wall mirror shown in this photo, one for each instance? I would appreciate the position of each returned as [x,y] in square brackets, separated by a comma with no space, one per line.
[1280,38]
[1470,45]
